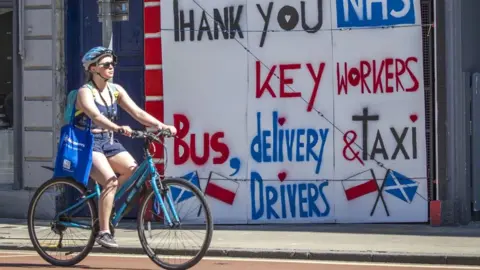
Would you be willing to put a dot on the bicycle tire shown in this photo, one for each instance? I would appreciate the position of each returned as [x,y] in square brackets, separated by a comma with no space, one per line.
[206,242]
[32,234]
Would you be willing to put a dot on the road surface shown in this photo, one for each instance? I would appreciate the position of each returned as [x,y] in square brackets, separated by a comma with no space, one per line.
[12,260]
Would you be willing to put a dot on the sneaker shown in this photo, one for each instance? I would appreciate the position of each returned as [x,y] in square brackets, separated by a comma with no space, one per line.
[106,240]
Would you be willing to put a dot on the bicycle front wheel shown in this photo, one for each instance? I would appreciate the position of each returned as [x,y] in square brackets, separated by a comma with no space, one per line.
[195,220]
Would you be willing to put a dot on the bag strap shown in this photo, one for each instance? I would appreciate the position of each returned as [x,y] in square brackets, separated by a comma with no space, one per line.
[72,117]
[90,86]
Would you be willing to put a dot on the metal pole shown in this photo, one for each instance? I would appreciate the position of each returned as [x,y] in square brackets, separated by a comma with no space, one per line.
[107,26]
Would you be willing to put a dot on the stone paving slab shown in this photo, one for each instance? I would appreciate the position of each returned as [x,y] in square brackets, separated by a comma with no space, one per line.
[347,242]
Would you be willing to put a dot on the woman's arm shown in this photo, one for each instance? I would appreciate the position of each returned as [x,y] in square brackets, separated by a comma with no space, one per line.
[136,112]
[86,103]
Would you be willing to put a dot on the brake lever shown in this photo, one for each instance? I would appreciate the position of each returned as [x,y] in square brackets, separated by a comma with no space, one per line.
[167,133]
[137,134]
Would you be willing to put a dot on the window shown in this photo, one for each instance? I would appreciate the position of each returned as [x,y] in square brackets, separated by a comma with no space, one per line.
[6,96]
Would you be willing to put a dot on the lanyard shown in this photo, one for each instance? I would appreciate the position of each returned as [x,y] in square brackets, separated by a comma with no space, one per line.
[108,108]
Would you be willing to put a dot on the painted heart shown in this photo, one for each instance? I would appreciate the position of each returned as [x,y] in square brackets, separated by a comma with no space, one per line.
[354,76]
[281,120]
[287,18]
[282,176]
[413,117]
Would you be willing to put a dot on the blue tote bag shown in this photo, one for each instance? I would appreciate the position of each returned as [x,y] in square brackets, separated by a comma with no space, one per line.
[74,154]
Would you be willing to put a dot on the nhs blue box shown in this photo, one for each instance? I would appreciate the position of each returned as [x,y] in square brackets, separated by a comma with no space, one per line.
[371,13]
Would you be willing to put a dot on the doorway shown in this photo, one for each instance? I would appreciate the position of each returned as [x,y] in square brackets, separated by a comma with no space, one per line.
[6,96]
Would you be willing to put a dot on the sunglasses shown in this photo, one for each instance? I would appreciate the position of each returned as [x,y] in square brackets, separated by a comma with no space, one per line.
[107,64]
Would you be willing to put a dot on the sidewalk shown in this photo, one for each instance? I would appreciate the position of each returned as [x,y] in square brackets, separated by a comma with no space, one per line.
[346,242]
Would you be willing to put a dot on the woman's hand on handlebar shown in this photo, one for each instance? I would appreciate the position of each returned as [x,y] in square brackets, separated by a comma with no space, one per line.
[172,129]
[125,130]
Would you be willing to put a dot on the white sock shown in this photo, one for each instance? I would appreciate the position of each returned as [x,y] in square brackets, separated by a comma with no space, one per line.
[103,232]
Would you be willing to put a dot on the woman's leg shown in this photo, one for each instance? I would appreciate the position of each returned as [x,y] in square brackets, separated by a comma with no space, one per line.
[103,174]
[123,164]
[121,161]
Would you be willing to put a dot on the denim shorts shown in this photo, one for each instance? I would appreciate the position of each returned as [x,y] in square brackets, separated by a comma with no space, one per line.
[101,143]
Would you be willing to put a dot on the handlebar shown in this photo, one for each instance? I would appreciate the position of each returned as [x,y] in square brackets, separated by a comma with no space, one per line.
[149,135]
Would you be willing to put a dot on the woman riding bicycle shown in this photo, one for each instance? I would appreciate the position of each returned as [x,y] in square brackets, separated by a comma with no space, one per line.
[98,100]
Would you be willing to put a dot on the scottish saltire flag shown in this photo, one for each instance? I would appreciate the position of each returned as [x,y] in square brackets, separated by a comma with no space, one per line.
[400,186]
[179,195]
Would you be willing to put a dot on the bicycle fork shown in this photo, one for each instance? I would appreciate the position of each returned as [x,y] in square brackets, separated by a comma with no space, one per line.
[159,194]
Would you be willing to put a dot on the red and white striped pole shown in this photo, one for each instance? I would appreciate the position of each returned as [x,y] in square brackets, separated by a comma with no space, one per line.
[153,70]
[153,66]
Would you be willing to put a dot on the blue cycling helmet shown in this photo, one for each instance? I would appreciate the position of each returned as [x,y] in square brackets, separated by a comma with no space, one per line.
[94,54]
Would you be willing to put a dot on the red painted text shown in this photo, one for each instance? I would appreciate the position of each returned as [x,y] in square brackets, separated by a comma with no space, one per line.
[285,81]
[374,77]
[188,144]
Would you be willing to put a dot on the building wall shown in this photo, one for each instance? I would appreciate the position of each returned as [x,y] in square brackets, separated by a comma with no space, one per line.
[458,58]
[41,87]
[471,64]
[233,99]
[43,82]
[43,92]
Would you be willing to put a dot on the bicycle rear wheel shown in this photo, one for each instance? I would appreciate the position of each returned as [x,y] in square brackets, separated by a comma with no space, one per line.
[186,195]
[46,223]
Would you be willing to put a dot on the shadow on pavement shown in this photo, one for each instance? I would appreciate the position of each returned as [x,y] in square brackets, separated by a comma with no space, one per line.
[24,265]
[48,266]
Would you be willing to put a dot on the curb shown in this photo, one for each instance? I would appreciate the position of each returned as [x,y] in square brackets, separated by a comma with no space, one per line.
[375,257]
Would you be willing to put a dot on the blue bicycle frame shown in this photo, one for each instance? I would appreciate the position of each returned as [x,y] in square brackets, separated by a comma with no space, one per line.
[139,176]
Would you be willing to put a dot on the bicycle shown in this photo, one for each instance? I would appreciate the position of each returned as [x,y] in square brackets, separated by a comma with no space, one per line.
[166,189]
